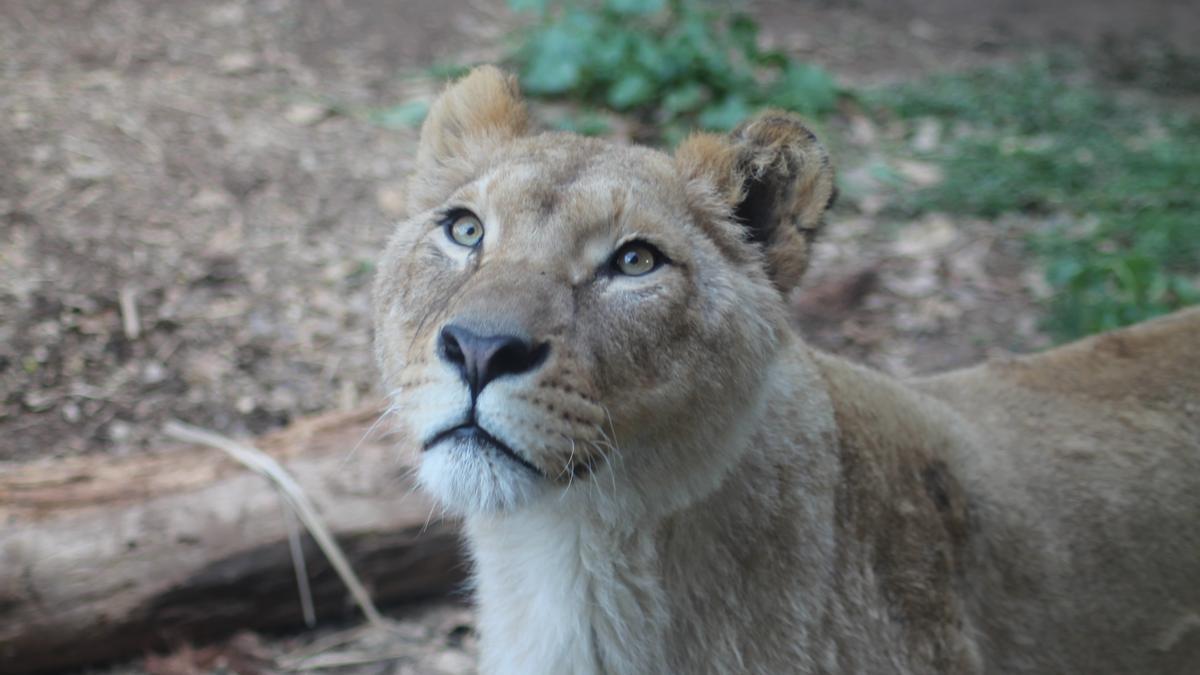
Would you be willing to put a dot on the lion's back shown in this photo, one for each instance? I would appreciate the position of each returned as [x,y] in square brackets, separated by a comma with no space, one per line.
[1085,485]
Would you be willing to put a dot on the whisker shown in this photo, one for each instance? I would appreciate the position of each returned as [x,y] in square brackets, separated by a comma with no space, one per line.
[606,442]
[405,475]
[429,518]
[611,443]
[611,426]
[569,468]
[611,473]
[391,409]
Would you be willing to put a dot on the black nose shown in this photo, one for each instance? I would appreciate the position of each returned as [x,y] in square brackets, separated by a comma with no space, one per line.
[482,358]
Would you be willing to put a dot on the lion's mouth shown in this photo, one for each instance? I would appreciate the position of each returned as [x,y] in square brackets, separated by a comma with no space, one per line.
[471,433]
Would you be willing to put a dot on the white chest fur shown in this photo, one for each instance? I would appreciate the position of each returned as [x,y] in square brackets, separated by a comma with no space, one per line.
[558,597]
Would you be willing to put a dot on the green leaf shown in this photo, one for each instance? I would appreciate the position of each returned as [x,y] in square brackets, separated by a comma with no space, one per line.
[635,7]
[743,31]
[686,98]
[805,89]
[630,91]
[726,114]
[554,63]
[1063,271]
[608,53]
[655,59]
[586,123]
[403,116]
[536,6]
[674,133]
[448,71]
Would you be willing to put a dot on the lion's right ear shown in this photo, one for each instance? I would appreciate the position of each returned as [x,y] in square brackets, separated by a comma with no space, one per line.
[775,179]
[476,114]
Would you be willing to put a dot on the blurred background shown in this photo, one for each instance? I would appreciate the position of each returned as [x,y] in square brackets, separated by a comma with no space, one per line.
[193,194]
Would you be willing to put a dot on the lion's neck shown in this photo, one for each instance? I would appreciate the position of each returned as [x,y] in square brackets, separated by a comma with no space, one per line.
[564,592]
[556,595]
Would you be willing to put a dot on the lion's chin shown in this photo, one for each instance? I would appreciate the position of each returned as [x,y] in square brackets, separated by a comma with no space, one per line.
[468,474]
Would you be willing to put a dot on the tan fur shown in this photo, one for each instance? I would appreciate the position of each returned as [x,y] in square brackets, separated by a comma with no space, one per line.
[712,496]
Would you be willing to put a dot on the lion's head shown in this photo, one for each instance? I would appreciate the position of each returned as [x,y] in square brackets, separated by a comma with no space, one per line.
[561,315]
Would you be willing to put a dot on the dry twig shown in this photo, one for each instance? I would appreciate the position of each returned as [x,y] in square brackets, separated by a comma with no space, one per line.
[295,497]
[130,321]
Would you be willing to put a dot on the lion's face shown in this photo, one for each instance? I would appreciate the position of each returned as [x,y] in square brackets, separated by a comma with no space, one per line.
[563,314]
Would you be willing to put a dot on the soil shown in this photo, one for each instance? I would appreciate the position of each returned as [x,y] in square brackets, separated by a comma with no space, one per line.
[192,196]
[191,203]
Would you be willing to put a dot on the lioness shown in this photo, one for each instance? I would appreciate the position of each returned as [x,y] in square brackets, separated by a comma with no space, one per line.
[590,344]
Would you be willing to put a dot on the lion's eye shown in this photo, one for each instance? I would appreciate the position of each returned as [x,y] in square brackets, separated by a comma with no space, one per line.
[636,259]
[465,230]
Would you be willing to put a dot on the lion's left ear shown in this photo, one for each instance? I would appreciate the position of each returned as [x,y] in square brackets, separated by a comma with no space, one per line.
[476,114]
[776,179]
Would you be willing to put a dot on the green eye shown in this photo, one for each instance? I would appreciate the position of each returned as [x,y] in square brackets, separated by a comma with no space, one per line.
[636,259]
[465,230]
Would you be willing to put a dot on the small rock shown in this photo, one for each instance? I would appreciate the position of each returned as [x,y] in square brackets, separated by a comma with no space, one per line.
[927,237]
[307,114]
[42,154]
[206,369]
[283,398]
[453,662]
[71,412]
[245,405]
[237,63]
[1035,281]
[119,431]
[928,135]
[920,174]
[922,30]
[862,131]
[153,372]
[872,204]
[920,283]
[38,401]
[22,120]
[227,15]
[391,199]
[208,199]
[89,171]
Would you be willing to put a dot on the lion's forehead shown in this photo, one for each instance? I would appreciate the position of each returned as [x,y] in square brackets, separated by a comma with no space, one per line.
[580,184]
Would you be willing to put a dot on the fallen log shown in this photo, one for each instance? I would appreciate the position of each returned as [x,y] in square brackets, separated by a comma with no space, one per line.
[103,558]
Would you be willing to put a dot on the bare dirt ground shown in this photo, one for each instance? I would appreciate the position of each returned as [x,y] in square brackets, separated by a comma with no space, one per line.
[192,196]
[192,199]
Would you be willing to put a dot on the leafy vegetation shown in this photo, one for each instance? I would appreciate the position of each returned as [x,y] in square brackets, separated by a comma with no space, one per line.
[1127,177]
[1118,183]
[676,64]
[402,116]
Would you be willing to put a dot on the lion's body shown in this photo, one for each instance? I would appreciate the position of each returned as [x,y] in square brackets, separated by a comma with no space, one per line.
[677,484]
[1085,492]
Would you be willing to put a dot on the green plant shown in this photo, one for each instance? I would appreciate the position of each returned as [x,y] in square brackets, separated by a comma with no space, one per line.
[402,116]
[675,64]
[1128,177]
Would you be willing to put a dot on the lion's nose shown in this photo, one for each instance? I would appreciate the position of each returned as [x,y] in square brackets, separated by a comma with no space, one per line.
[482,358]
